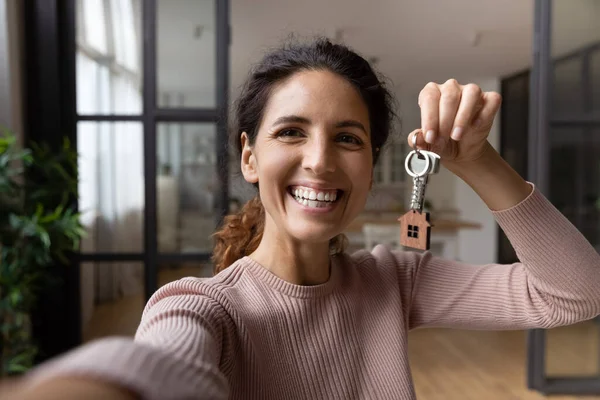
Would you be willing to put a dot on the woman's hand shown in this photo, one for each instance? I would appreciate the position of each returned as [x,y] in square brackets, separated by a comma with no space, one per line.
[455,123]
[455,120]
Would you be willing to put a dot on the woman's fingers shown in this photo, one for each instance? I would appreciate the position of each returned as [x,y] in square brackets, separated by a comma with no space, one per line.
[452,111]
[471,102]
[450,99]
[420,144]
[429,101]
[485,117]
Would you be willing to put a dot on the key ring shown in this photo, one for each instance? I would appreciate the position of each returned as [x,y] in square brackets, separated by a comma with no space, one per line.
[415,142]
[409,157]
[409,170]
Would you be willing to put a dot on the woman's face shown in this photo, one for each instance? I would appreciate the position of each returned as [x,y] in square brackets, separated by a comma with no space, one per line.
[312,156]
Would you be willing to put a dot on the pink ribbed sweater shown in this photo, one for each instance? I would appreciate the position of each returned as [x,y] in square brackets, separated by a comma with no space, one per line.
[246,334]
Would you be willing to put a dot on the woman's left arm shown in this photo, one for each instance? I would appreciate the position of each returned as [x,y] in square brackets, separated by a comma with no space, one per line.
[557,281]
[490,176]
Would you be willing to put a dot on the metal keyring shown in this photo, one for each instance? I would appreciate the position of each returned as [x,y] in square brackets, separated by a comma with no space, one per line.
[414,140]
[410,171]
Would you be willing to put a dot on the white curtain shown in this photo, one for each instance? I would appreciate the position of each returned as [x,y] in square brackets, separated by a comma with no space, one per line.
[111,188]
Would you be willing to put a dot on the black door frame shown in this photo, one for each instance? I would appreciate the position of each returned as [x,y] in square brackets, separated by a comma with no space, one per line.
[540,122]
[50,114]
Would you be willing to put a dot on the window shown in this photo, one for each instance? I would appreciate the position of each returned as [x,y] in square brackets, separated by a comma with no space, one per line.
[111,162]
[109,78]
[389,171]
[108,81]
[94,24]
[413,231]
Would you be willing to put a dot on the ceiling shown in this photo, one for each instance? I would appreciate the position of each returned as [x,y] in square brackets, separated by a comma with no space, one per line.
[415,41]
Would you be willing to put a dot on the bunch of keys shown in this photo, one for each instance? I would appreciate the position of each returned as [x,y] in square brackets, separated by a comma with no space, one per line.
[415,226]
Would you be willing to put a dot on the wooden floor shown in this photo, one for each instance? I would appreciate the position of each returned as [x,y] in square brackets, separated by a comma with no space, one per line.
[446,364]
[453,364]
[123,316]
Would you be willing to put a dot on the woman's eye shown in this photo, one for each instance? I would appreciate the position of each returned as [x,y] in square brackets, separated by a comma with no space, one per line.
[289,133]
[350,139]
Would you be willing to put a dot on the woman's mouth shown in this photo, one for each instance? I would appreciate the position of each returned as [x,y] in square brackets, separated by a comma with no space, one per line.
[314,198]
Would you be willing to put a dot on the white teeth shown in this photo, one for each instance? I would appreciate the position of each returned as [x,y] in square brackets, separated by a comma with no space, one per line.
[311,203]
[314,198]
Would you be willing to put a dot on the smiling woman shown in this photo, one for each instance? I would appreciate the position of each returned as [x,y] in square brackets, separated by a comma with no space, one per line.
[289,314]
[324,151]
[310,123]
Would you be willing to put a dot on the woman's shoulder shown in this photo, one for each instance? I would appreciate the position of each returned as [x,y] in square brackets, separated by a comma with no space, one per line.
[209,293]
[380,270]
[391,264]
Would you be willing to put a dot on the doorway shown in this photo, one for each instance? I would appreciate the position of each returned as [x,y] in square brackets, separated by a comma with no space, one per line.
[141,87]
[564,162]
[151,89]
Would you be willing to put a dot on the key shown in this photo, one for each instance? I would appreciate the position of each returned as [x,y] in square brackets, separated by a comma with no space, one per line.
[420,163]
[415,225]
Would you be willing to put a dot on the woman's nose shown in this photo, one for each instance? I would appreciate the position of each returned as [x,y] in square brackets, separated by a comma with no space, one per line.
[319,156]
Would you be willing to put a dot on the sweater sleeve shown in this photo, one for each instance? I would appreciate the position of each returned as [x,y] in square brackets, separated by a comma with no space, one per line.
[556,282]
[175,353]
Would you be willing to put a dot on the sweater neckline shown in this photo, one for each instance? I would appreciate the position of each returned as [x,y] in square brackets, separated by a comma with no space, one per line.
[292,289]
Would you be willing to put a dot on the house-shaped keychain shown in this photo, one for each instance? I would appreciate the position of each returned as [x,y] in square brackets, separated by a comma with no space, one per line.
[415,230]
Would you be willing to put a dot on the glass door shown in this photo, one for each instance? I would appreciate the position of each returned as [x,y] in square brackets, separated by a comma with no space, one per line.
[564,160]
[151,101]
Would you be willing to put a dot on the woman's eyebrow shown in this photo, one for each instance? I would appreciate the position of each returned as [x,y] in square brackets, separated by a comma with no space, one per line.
[287,119]
[350,123]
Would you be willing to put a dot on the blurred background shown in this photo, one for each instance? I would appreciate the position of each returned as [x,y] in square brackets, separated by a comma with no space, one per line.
[143,88]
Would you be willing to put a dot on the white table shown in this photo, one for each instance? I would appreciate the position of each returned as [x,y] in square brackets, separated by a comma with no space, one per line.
[442,244]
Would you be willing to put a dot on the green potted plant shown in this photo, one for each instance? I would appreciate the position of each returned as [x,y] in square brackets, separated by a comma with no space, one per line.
[38,228]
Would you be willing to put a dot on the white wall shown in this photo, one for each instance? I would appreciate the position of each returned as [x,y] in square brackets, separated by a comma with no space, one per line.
[445,190]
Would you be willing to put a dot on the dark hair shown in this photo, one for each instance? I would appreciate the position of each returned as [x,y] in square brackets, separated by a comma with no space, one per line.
[241,233]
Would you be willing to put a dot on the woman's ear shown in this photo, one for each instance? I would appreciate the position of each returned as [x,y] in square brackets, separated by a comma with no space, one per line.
[248,162]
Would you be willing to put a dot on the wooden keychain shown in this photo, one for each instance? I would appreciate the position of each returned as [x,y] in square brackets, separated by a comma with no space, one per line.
[415,225]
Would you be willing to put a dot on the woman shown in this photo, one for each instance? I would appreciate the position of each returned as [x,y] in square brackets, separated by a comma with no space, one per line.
[289,315]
